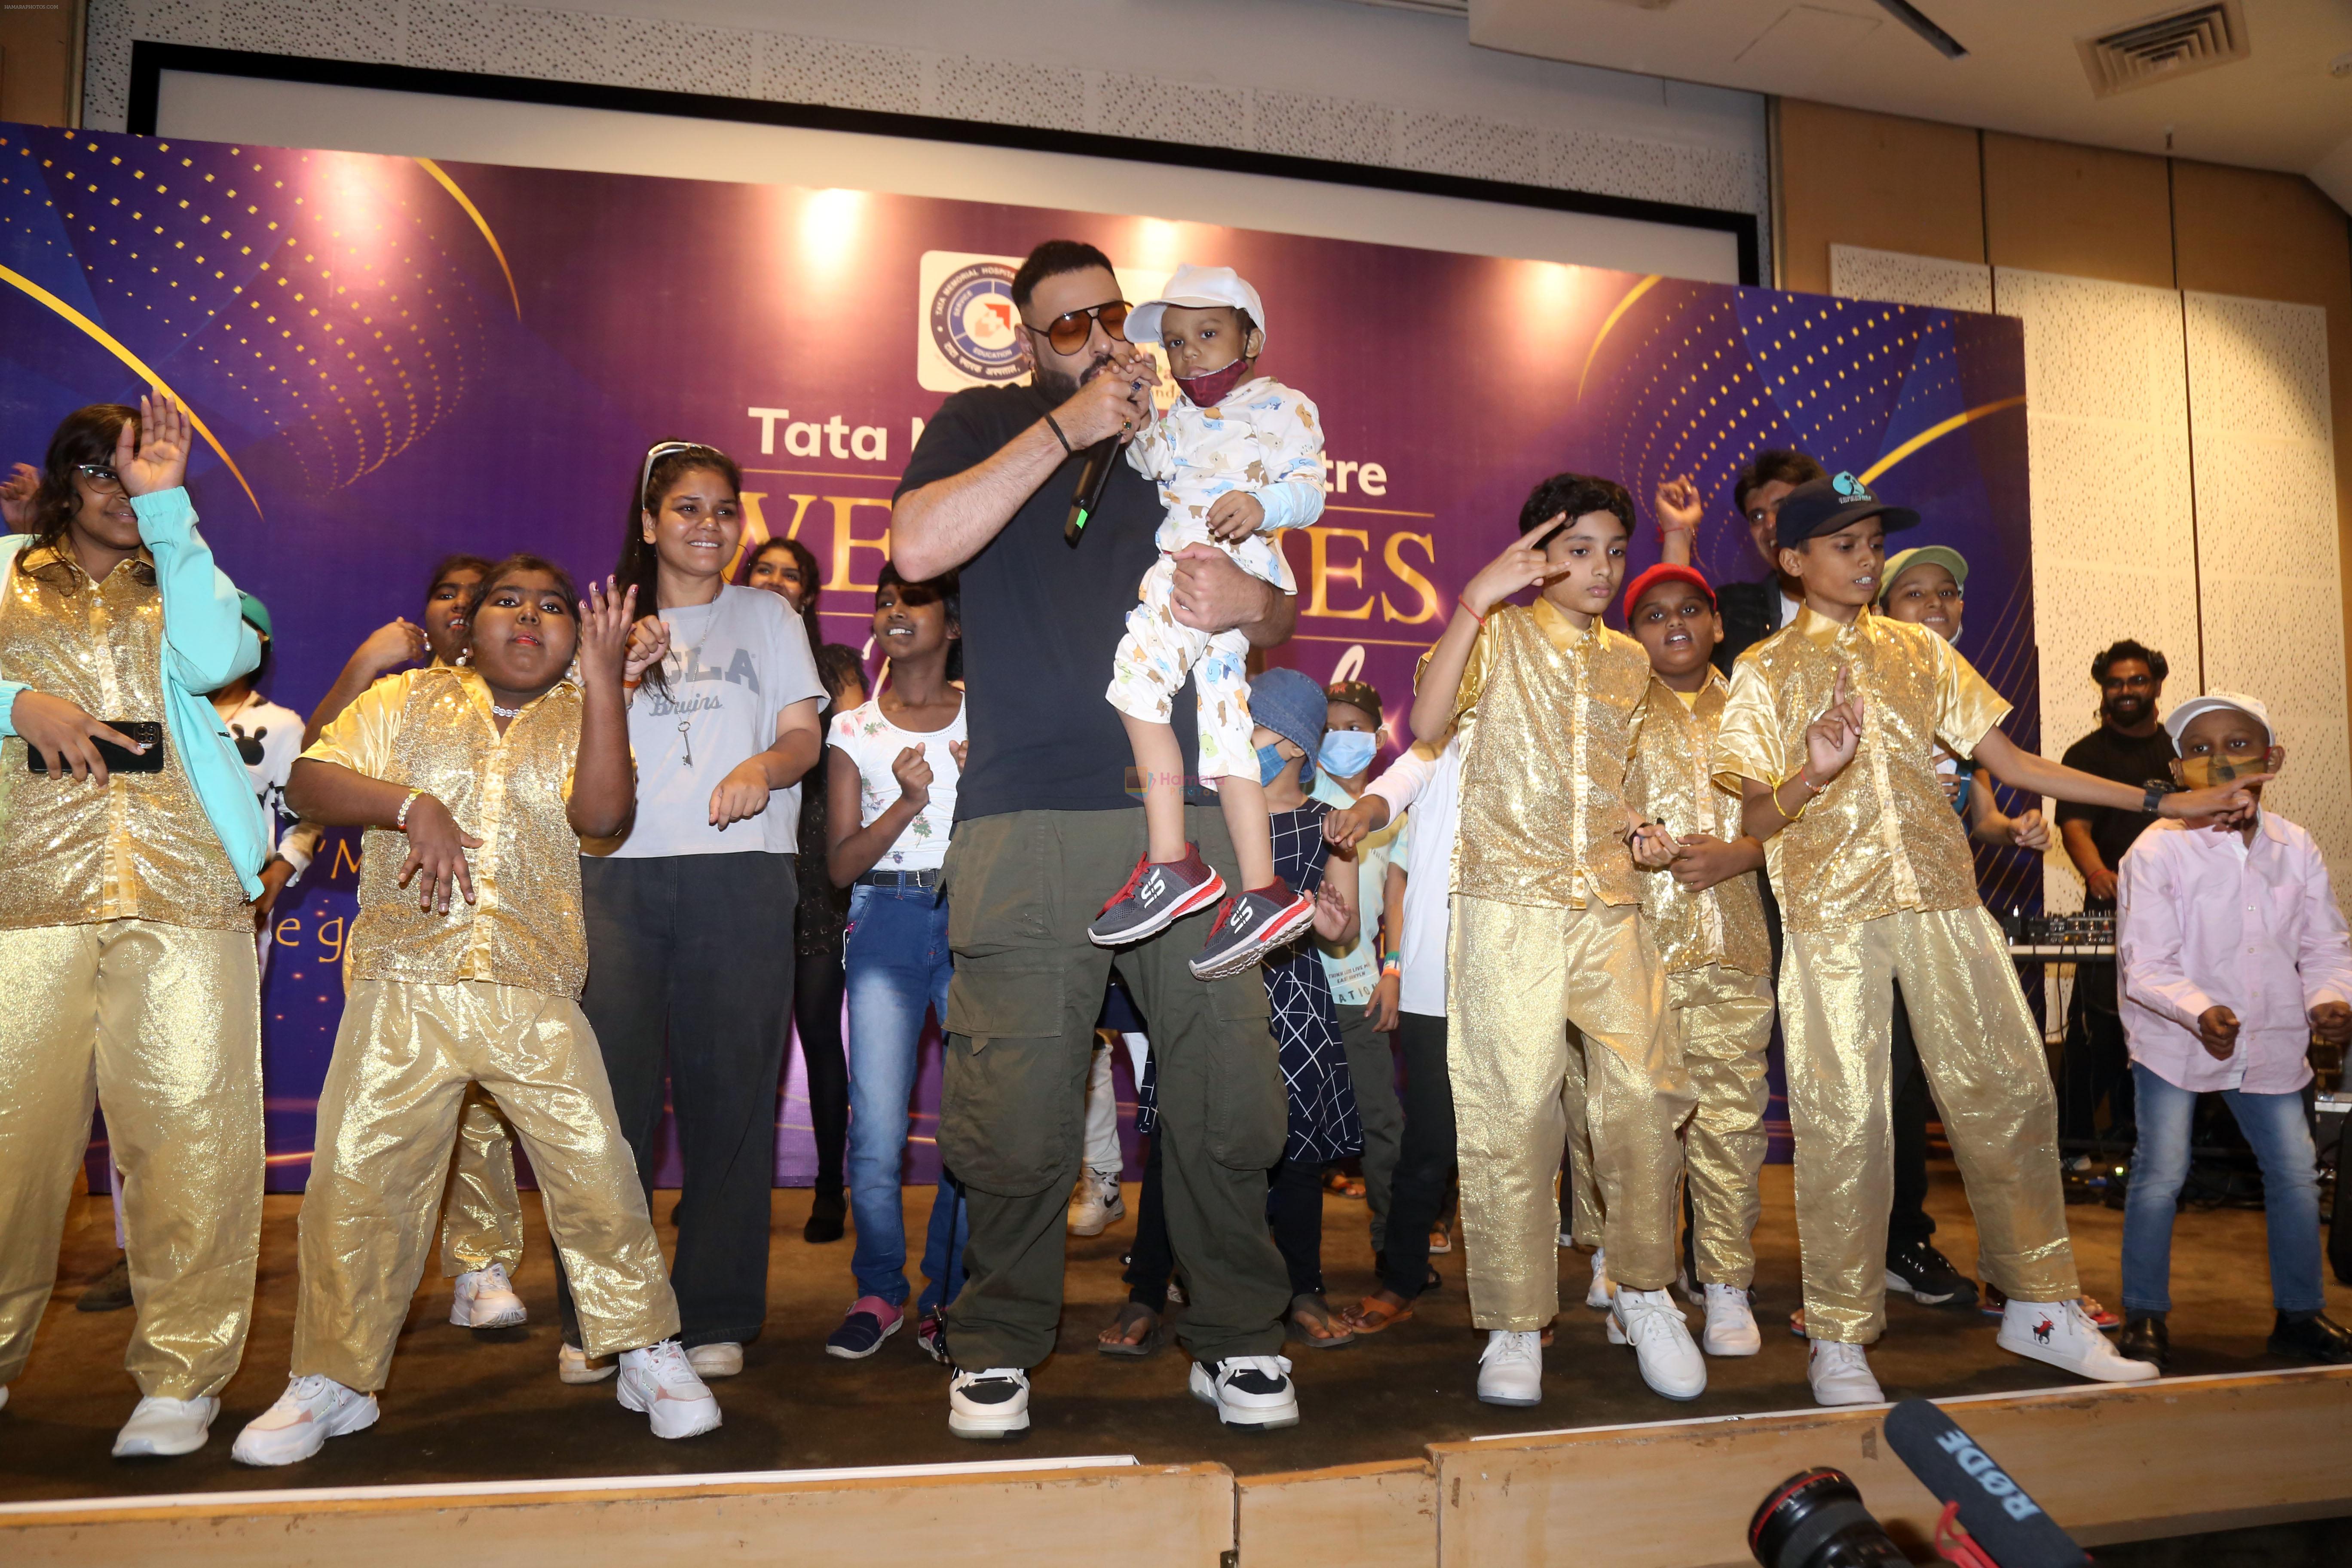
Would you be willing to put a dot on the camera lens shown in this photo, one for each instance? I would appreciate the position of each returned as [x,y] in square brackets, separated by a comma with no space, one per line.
[1815,1519]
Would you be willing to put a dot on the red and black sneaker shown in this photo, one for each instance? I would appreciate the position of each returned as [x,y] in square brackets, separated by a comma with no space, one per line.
[1250,926]
[1155,896]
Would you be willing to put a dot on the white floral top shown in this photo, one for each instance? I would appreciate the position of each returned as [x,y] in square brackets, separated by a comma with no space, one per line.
[1264,439]
[872,743]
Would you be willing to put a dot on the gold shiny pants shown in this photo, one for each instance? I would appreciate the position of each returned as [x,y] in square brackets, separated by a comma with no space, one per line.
[1518,974]
[1723,1020]
[481,1217]
[1982,1054]
[388,1113]
[1579,1198]
[162,1025]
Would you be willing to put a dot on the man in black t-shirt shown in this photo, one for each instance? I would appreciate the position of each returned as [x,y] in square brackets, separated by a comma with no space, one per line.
[1045,819]
[2130,747]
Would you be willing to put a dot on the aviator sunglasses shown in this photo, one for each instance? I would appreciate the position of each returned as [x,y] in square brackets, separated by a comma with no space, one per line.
[1068,331]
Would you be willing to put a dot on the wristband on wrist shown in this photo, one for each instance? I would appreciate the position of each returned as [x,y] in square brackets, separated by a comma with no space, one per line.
[1391,967]
[1465,605]
[1056,429]
[2151,802]
[400,818]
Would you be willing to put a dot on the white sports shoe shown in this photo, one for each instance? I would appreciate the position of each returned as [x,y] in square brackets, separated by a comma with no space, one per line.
[1096,1206]
[722,1359]
[1840,1375]
[311,1410]
[658,1381]
[1651,1322]
[1597,1295]
[161,1427]
[990,1402]
[2061,1335]
[572,1365]
[1248,1391]
[485,1299]
[1730,1323]
[1510,1369]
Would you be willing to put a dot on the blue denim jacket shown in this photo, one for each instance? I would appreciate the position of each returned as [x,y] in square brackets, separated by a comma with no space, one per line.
[207,644]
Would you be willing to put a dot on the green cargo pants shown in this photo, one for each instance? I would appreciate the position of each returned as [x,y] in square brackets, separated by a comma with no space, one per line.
[1028,987]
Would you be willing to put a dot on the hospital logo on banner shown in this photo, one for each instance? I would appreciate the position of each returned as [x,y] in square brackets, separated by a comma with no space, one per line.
[967,332]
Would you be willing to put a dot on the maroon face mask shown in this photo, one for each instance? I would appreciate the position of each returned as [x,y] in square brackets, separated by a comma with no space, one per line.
[1208,391]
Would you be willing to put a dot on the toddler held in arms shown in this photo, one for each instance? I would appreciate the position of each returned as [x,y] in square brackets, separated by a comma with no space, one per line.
[1238,458]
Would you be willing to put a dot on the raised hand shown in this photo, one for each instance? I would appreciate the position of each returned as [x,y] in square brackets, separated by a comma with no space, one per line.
[1831,740]
[437,855]
[1234,515]
[65,737]
[1522,566]
[1678,505]
[607,623]
[159,460]
[959,750]
[1344,828]
[392,644]
[648,645]
[2228,805]
[16,494]
[914,775]
[1115,401]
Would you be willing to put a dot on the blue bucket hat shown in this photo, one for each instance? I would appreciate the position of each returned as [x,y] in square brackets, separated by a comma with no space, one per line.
[1289,703]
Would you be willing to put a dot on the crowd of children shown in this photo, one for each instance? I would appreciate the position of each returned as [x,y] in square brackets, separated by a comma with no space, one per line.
[1581,904]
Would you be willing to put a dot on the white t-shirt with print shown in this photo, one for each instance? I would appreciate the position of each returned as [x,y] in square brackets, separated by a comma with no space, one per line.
[872,743]
[733,666]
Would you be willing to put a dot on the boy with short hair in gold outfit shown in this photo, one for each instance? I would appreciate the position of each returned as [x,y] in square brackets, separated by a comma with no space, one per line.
[1830,734]
[473,976]
[1708,916]
[1547,932]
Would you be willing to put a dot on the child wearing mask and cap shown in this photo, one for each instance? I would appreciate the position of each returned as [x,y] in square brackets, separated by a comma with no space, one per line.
[2233,954]
[1238,458]
[1876,885]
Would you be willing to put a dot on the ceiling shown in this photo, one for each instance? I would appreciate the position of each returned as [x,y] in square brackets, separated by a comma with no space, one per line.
[2277,108]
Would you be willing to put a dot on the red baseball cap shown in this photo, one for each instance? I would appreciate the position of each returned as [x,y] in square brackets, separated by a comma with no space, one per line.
[1666,572]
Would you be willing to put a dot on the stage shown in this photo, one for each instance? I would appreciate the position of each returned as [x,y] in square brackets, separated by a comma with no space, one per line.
[1384,1418]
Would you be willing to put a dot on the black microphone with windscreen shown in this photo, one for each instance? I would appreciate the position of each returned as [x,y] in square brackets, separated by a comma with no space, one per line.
[2009,1526]
[1094,477]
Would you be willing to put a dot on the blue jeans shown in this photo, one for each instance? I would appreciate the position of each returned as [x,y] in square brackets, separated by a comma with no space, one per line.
[898,967]
[2279,1130]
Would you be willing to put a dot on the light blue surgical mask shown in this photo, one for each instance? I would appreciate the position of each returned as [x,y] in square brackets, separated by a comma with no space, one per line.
[1347,753]
[1271,762]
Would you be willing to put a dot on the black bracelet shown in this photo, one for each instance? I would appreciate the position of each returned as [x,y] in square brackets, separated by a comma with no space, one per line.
[2148,802]
[1056,429]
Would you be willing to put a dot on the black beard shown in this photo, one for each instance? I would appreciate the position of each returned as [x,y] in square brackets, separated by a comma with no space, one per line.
[2123,710]
[1061,386]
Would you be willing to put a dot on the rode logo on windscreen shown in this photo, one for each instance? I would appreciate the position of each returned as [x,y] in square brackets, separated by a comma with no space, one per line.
[1987,1475]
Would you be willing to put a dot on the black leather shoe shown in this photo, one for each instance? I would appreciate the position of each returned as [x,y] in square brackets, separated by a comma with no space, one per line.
[2144,1339]
[2312,1339]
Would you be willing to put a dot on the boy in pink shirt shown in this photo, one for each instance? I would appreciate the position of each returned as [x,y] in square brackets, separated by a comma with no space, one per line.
[2231,954]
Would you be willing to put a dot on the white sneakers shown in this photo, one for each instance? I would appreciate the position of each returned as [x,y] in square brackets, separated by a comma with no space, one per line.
[311,1410]
[1248,1391]
[161,1427]
[1597,1294]
[1510,1369]
[1840,1375]
[2061,1335]
[993,1403]
[485,1299]
[1651,1322]
[658,1382]
[723,1359]
[1730,1323]
[573,1364]
[1096,1206]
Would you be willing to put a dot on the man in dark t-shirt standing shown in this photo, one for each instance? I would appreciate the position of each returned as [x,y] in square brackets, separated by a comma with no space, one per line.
[1044,822]
[2130,747]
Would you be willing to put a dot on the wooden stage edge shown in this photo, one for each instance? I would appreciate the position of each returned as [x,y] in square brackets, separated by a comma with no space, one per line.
[2111,1463]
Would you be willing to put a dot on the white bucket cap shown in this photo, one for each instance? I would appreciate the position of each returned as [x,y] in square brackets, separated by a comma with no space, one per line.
[1198,288]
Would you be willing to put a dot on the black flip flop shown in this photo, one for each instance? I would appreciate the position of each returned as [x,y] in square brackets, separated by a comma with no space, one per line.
[1128,1316]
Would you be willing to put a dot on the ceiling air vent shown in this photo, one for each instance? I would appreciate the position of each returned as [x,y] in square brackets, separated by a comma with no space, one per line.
[2162,47]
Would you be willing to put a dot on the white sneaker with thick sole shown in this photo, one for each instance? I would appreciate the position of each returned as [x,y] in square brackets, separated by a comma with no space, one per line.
[1253,1391]
[1730,1323]
[658,1382]
[1510,1369]
[2062,1335]
[311,1410]
[723,1359]
[1596,1296]
[161,1427]
[1651,1322]
[572,1365]
[485,1299]
[1097,1205]
[992,1403]
[1840,1375]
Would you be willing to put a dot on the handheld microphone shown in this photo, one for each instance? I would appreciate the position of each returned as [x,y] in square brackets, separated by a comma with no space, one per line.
[1094,477]
[2009,1525]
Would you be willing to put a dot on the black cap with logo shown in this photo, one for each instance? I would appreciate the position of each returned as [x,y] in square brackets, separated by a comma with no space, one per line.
[1825,505]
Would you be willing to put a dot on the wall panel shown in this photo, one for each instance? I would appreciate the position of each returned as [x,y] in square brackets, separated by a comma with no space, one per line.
[2085,211]
[1853,178]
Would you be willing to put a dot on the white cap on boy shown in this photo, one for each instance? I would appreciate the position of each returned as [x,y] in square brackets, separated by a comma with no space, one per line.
[1197,287]
[2178,719]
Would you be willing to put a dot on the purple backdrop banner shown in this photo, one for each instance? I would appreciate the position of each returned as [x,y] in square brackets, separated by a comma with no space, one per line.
[393,359]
